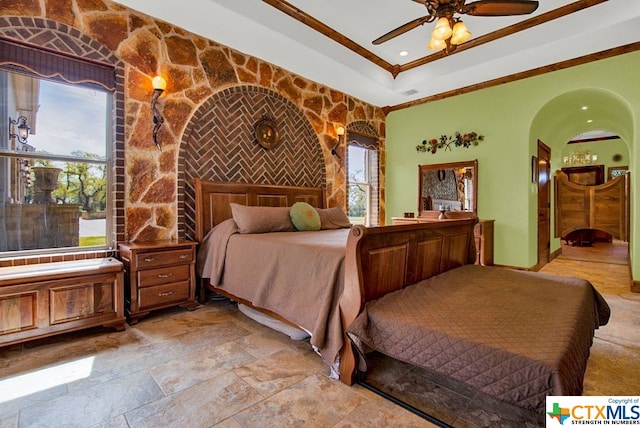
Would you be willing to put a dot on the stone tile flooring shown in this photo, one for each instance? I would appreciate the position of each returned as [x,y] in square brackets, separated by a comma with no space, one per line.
[215,367]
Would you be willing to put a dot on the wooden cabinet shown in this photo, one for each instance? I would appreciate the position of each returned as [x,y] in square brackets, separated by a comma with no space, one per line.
[483,234]
[52,298]
[158,274]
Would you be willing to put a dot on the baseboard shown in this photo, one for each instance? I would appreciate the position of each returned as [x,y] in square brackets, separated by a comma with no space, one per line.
[555,254]
[517,267]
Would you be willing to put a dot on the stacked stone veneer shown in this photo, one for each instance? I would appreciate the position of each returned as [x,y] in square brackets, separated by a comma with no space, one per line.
[201,74]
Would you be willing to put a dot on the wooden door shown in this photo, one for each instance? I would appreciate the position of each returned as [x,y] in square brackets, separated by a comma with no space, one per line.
[604,207]
[544,203]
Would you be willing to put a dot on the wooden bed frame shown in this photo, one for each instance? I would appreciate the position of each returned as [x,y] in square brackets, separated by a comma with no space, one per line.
[378,260]
[213,199]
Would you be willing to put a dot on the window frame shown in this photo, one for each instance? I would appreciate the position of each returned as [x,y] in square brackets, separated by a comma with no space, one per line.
[371,175]
[107,161]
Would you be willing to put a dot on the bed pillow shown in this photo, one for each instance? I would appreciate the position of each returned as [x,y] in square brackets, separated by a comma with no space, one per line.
[261,219]
[333,218]
[304,216]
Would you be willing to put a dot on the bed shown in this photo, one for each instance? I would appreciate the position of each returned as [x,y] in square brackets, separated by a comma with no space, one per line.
[516,336]
[428,262]
[324,303]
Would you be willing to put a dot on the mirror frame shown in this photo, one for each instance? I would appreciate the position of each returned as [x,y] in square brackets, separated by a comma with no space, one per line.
[451,165]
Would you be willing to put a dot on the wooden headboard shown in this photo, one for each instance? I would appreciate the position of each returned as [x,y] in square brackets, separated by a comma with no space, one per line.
[213,199]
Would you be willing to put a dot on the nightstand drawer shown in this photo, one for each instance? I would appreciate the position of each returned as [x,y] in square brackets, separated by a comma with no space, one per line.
[164,275]
[158,274]
[163,258]
[163,294]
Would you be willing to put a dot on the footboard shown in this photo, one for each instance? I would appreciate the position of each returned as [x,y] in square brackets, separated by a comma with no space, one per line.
[380,260]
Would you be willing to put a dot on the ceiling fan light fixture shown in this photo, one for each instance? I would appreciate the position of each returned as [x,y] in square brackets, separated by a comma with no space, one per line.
[436,44]
[443,30]
[460,33]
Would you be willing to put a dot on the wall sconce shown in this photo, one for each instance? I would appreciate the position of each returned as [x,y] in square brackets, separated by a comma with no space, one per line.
[340,133]
[23,129]
[159,85]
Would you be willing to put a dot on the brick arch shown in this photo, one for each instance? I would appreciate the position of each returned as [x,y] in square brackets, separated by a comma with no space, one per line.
[219,144]
[363,127]
[58,37]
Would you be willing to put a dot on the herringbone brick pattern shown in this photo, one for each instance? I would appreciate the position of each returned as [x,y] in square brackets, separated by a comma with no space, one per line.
[221,144]
[56,37]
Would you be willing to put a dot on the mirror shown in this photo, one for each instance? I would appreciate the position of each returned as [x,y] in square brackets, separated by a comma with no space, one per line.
[448,186]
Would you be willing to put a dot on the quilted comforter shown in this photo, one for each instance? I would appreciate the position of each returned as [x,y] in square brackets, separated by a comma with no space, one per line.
[517,336]
[297,275]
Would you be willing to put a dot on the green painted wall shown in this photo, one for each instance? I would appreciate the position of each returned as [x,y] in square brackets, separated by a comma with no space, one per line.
[512,117]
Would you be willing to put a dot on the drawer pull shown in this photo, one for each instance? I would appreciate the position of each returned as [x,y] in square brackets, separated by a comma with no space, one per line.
[184,256]
[166,293]
[150,259]
[165,275]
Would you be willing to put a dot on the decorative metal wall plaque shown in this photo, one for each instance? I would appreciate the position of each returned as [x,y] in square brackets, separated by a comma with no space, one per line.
[267,133]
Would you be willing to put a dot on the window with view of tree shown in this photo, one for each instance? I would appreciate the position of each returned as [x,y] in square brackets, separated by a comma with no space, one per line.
[362,182]
[53,186]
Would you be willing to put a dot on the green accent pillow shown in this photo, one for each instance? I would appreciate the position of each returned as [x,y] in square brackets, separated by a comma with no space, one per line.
[304,216]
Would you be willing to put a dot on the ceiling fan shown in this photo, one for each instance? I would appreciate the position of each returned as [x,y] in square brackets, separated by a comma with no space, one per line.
[451,31]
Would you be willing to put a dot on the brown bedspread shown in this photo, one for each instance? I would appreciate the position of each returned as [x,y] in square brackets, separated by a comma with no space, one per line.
[298,275]
[517,336]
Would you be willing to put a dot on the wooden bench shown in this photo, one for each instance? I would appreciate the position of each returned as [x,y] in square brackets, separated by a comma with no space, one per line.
[51,298]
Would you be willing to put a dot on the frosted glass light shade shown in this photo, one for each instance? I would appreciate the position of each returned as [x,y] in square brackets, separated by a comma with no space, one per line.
[442,31]
[460,33]
[158,82]
[436,45]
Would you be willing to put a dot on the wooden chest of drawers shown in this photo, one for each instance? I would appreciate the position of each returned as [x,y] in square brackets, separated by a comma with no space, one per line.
[158,274]
[51,298]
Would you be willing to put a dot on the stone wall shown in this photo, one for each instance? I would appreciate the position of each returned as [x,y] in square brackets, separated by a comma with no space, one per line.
[196,69]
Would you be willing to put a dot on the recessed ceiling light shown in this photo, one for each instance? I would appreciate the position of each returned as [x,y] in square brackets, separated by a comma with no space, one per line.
[584,107]
[404,53]
[589,121]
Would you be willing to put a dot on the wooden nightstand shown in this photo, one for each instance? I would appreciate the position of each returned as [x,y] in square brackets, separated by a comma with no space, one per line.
[158,274]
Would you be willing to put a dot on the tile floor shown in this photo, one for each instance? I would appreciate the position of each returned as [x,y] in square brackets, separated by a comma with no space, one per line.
[215,367]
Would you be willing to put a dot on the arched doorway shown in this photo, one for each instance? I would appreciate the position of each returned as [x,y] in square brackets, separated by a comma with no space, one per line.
[578,113]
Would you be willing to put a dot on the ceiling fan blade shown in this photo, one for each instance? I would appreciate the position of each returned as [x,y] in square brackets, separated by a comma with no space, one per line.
[403,29]
[500,7]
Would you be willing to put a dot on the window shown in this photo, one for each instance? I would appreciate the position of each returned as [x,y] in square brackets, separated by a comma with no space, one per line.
[54,187]
[362,181]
